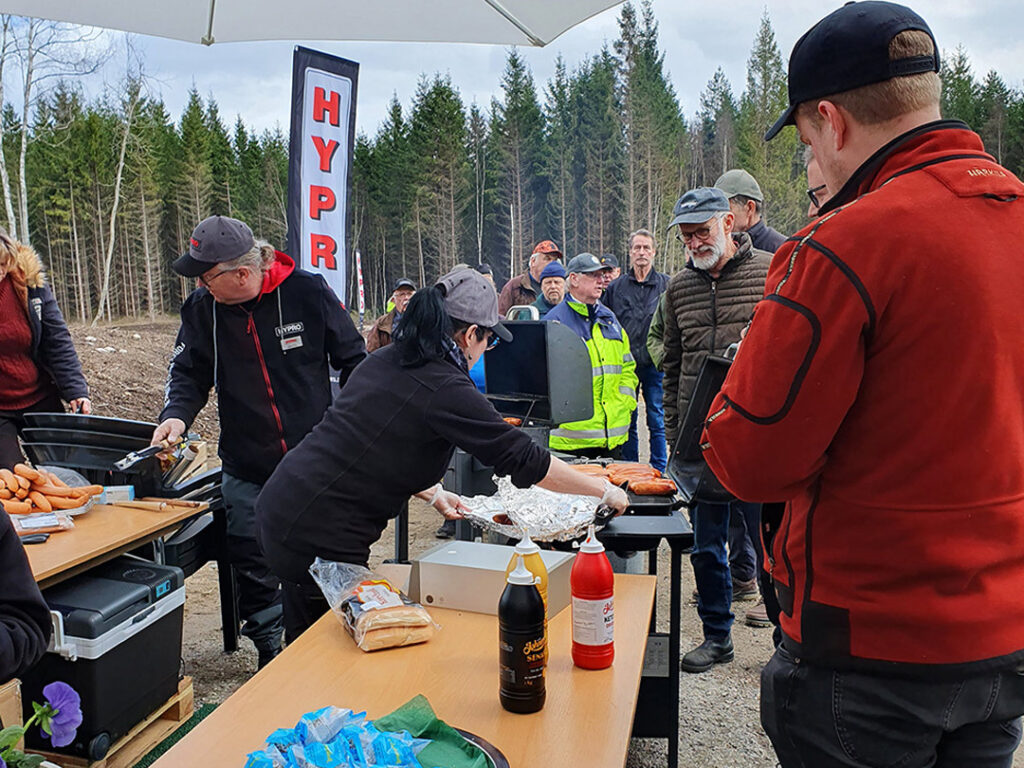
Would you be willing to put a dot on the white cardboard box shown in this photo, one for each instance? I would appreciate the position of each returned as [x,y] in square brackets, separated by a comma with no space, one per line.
[470,576]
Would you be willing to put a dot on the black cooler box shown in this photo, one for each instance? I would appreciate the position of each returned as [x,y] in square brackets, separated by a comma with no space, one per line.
[117,641]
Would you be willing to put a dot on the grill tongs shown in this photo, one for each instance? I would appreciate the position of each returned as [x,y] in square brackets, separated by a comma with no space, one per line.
[133,458]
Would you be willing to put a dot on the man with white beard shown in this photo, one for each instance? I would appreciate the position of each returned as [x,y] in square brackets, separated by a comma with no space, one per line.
[707,304]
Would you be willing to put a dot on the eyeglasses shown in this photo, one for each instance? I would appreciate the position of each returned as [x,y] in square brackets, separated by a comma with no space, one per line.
[813,194]
[701,233]
[206,281]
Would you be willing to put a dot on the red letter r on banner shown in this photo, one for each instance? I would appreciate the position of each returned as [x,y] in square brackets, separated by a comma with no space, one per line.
[323,247]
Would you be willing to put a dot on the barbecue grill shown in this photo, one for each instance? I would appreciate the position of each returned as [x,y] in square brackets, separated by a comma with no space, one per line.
[543,376]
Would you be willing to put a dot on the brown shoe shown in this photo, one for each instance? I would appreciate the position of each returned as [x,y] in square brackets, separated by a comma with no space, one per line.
[744,590]
[758,616]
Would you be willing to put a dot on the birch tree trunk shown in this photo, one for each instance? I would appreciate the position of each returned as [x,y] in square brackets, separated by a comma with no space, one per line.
[105,290]
[5,179]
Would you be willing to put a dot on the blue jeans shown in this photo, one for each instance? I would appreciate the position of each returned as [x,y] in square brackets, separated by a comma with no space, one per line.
[821,717]
[650,384]
[745,541]
[711,567]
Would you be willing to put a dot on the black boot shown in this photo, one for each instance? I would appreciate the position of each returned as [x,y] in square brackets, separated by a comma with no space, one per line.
[265,656]
[446,531]
[714,650]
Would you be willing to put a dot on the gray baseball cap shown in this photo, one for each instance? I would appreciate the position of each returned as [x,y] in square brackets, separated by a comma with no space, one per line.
[216,240]
[403,282]
[584,263]
[739,182]
[470,297]
[698,205]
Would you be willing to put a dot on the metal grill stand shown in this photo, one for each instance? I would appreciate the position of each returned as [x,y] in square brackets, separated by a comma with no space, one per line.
[657,707]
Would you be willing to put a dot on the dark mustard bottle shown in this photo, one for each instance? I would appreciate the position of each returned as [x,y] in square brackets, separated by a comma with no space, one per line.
[521,643]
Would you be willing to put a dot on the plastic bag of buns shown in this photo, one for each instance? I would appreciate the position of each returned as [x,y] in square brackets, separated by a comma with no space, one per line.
[374,612]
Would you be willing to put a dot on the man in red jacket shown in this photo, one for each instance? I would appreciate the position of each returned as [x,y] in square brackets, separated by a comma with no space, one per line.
[878,393]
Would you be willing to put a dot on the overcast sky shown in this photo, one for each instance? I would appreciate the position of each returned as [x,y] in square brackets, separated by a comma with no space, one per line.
[253,79]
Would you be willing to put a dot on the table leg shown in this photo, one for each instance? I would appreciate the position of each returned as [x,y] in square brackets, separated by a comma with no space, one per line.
[675,627]
[228,605]
[652,569]
[402,535]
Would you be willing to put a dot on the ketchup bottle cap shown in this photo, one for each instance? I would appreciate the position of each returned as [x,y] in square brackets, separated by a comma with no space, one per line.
[591,545]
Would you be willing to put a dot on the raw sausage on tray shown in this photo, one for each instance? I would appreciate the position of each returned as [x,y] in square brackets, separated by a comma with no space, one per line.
[661,486]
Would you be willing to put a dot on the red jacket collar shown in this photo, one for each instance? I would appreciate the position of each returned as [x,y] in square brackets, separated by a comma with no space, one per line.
[921,145]
[283,266]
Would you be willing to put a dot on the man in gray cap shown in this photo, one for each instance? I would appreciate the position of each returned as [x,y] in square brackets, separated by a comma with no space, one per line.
[262,334]
[383,328]
[746,201]
[878,393]
[707,304]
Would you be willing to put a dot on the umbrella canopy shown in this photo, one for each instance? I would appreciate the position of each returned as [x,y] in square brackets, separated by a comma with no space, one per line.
[508,22]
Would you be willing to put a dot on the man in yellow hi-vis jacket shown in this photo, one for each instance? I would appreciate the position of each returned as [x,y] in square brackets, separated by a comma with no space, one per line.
[614,374]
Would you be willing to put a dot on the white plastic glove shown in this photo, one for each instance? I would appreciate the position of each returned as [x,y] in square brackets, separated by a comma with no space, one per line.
[448,504]
[615,497]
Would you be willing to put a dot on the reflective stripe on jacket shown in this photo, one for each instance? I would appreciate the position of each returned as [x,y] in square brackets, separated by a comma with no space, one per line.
[613,376]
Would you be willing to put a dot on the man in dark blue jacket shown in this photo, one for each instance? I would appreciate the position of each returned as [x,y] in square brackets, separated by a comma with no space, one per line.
[634,297]
[261,333]
[746,201]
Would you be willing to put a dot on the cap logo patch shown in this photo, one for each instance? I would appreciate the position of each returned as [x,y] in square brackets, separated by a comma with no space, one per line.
[195,243]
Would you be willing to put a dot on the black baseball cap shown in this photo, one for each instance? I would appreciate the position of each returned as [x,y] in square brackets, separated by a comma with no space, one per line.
[404,282]
[609,260]
[217,239]
[848,49]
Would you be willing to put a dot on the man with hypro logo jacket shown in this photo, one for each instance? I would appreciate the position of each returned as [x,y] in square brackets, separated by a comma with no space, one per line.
[878,393]
[262,333]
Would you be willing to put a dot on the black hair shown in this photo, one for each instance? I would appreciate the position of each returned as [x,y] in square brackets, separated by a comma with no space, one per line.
[484,268]
[424,328]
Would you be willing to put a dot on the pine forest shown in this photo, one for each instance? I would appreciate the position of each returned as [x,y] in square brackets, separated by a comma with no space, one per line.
[108,189]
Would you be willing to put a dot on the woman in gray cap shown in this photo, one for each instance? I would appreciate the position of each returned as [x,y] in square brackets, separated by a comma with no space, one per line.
[390,435]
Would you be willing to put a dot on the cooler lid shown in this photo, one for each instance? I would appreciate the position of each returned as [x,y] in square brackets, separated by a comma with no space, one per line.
[92,605]
[160,580]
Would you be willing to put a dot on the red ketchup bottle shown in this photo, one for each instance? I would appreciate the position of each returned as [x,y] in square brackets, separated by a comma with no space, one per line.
[593,610]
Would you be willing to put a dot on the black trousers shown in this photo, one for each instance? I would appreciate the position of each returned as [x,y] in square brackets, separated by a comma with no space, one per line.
[303,601]
[818,717]
[259,589]
[11,424]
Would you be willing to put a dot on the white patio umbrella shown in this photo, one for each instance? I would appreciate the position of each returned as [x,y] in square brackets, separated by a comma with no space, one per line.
[508,22]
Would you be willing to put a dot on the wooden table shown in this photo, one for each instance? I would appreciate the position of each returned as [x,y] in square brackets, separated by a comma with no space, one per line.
[586,721]
[99,535]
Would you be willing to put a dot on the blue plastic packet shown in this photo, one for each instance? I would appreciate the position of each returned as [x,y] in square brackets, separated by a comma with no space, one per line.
[388,750]
[335,754]
[323,725]
[261,759]
[283,737]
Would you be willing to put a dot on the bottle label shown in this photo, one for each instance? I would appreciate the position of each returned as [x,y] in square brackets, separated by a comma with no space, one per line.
[522,662]
[593,621]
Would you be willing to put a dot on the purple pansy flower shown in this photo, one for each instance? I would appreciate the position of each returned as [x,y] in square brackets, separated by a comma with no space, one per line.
[66,713]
